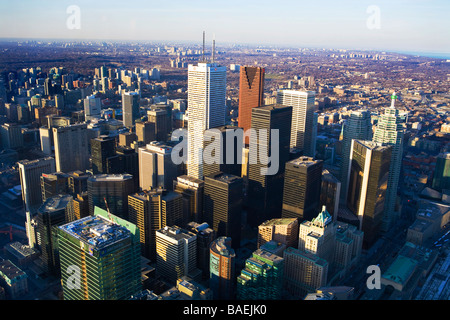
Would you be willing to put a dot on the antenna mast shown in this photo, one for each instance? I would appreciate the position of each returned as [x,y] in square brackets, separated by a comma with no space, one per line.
[213,48]
[203,51]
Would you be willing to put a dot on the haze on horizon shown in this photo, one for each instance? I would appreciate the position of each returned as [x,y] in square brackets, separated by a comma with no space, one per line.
[404,25]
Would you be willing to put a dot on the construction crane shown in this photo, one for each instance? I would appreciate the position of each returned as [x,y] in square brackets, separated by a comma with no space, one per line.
[10,230]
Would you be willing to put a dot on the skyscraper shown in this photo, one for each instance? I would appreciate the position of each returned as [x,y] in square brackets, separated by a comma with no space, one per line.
[152,210]
[104,249]
[192,191]
[156,168]
[301,192]
[206,108]
[251,94]
[110,191]
[30,172]
[205,236]
[272,127]
[441,175]
[53,184]
[283,231]
[92,107]
[302,103]
[357,126]
[222,269]
[222,205]
[130,108]
[262,278]
[389,131]
[176,254]
[161,122]
[71,147]
[102,148]
[367,185]
[146,132]
[330,193]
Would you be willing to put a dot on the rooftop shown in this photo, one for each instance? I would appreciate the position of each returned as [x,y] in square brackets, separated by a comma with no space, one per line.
[280,221]
[56,203]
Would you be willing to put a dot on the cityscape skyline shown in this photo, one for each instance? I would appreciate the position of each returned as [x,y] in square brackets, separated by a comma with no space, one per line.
[365,25]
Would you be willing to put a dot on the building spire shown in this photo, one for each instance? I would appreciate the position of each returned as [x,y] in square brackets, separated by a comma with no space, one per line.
[393,98]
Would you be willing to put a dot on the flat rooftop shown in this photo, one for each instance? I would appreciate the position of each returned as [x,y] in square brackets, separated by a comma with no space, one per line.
[96,231]
[175,233]
[56,203]
[280,221]
[304,161]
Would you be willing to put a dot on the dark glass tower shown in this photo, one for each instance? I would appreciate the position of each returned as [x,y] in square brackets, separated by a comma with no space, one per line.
[102,148]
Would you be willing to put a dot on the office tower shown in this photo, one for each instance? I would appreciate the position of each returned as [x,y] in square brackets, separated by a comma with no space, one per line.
[206,105]
[77,182]
[265,189]
[389,131]
[262,278]
[145,132]
[71,148]
[205,236]
[367,185]
[11,135]
[192,191]
[80,206]
[304,272]
[222,205]
[220,144]
[14,281]
[92,107]
[283,231]
[104,250]
[441,174]
[357,126]
[53,184]
[301,193]
[48,87]
[156,168]
[176,254]
[251,94]
[51,214]
[110,191]
[222,269]
[130,108]
[127,138]
[30,172]
[102,148]
[152,210]
[125,160]
[159,118]
[330,193]
[302,131]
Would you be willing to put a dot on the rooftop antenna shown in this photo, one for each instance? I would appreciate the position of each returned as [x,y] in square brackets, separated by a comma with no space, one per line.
[213,48]
[203,51]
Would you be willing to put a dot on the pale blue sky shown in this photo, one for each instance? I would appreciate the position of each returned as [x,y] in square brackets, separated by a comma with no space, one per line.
[405,25]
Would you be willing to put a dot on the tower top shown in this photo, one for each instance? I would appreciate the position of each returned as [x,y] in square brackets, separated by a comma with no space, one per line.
[393,98]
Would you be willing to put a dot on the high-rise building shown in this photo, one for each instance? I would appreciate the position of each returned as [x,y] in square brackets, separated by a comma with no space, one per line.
[192,191]
[330,193]
[206,107]
[51,214]
[205,235]
[223,147]
[367,185]
[159,120]
[104,250]
[262,278]
[71,147]
[110,191]
[302,134]
[251,94]
[102,148]
[152,210]
[11,135]
[283,231]
[156,168]
[77,182]
[304,272]
[301,193]
[389,131]
[222,205]
[130,108]
[222,269]
[146,132]
[357,126]
[53,184]
[30,172]
[441,174]
[92,107]
[80,206]
[271,126]
[176,254]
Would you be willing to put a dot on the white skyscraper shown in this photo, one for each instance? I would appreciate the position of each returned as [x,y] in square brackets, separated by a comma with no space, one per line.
[130,108]
[302,129]
[389,131]
[92,107]
[206,109]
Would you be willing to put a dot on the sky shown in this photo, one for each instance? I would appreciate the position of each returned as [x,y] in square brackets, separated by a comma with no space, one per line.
[396,25]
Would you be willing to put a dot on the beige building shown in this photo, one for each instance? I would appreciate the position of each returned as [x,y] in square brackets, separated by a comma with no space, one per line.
[283,230]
